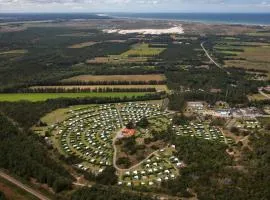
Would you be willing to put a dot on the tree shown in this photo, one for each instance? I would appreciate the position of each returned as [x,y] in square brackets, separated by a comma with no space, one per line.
[130,125]
[107,177]
[143,123]
[2,196]
[123,161]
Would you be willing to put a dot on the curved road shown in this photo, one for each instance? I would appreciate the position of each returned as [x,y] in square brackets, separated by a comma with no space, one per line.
[23,186]
[212,60]
[264,94]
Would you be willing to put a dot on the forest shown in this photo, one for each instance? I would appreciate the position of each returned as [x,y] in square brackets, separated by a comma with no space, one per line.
[25,155]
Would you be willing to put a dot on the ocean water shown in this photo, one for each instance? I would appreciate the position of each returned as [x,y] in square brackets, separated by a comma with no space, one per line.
[212,18]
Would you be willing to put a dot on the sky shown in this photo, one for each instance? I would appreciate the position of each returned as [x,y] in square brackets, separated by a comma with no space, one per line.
[135,6]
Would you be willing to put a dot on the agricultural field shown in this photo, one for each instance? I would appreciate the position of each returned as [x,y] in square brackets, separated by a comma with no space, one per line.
[116,78]
[247,55]
[12,97]
[137,54]
[142,50]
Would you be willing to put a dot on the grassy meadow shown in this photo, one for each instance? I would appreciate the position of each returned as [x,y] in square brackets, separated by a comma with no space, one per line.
[13,97]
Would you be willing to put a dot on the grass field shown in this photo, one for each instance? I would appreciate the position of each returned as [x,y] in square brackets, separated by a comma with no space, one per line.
[19,51]
[148,77]
[157,87]
[12,192]
[44,96]
[142,50]
[257,97]
[82,45]
[255,55]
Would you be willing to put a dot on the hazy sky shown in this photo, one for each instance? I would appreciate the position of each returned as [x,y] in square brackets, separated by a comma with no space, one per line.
[134,6]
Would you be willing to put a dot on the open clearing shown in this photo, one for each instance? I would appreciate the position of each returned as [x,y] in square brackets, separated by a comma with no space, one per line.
[253,56]
[82,45]
[141,50]
[19,51]
[116,59]
[148,77]
[257,97]
[137,54]
[12,97]
[93,87]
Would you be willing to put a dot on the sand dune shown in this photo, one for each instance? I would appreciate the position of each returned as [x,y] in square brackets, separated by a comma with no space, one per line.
[176,30]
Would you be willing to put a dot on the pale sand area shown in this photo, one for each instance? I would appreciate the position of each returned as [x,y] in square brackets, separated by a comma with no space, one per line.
[172,30]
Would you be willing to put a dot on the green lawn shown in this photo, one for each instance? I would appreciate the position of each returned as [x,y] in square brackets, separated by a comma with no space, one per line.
[45,96]
[141,50]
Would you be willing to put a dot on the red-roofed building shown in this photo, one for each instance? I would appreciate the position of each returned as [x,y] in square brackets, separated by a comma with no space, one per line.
[128,132]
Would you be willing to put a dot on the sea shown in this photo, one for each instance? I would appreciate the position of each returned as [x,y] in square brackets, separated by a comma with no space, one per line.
[212,18]
[209,18]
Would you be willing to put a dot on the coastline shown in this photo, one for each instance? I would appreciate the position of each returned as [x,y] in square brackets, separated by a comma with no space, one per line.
[189,21]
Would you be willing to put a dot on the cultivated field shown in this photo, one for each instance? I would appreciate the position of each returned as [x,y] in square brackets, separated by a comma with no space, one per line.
[142,50]
[137,54]
[148,77]
[248,55]
[44,96]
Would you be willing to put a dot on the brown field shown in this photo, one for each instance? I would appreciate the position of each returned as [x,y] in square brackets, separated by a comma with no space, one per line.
[148,77]
[82,45]
[158,87]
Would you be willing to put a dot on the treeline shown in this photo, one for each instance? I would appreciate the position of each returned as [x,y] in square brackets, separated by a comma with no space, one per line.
[23,154]
[106,177]
[28,113]
[84,90]
[68,83]
[100,192]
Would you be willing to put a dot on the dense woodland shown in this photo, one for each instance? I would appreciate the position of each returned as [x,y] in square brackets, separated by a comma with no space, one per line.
[25,155]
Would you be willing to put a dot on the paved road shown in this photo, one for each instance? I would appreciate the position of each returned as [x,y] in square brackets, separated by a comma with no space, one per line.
[213,61]
[262,93]
[23,186]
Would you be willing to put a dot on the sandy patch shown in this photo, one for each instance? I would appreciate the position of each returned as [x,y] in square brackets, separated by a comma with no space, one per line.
[172,30]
